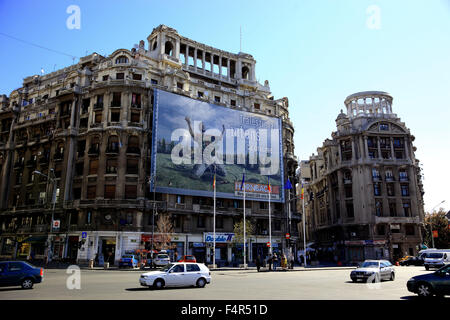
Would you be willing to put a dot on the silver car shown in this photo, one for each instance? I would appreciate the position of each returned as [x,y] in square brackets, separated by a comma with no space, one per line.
[161,259]
[373,271]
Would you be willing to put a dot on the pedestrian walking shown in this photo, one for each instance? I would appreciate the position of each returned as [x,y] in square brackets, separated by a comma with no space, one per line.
[258,263]
[275,261]
[291,261]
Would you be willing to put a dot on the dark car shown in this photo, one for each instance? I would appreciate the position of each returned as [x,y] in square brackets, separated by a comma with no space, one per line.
[435,283]
[19,273]
[412,261]
[129,260]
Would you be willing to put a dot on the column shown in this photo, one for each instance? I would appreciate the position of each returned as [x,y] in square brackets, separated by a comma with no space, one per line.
[366,147]
[228,68]
[195,59]
[203,60]
[353,150]
[379,148]
[220,66]
[392,148]
[406,143]
[212,63]
[186,56]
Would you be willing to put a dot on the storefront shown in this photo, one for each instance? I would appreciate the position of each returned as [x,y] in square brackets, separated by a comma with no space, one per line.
[224,244]
[198,250]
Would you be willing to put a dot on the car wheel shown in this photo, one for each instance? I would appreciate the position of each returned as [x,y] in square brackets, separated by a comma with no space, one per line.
[201,283]
[27,284]
[427,268]
[354,280]
[392,276]
[424,290]
[158,284]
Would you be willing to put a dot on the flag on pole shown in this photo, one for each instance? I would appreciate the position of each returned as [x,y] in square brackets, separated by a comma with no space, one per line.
[303,191]
[214,181]
[268,179]
[288,184]
[243,181]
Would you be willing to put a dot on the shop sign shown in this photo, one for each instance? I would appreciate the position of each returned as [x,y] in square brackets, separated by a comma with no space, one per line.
[56,224]
[395,227]
[220,237]
[395,246]
[84,235]
[198,244]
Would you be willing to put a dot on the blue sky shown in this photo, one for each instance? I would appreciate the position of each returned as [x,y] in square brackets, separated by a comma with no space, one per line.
[316,53]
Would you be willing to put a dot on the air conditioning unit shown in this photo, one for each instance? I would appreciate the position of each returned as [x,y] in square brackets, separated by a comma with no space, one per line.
[353,234]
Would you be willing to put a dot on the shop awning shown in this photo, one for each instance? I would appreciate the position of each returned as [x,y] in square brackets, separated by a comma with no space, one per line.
[35,239]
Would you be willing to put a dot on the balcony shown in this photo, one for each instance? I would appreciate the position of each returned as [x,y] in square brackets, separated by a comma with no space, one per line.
[93,151]
[376,178]
[115,104]
[112,150]
[347,181]
[136,106]
[98,106]
[133,150]
[390,179]
[58,156]
[31,163]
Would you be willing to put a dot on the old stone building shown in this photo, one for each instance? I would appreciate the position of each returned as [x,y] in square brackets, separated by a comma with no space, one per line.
[364,199]
[76,146]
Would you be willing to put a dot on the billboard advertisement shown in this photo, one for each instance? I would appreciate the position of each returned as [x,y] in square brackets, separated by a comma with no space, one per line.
[195,141]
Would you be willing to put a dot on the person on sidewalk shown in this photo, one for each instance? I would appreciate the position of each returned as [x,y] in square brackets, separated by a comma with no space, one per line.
[291,261]
[269,261]
[275,261]
[258,262]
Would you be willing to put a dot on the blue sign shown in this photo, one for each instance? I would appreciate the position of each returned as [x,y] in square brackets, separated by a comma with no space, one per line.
[84,235]
[220,237]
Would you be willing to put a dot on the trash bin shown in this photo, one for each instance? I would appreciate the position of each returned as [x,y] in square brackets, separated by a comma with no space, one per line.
[106,265]
[91,264]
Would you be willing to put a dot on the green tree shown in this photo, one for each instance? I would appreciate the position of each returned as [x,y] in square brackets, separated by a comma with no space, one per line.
[239,230]
[439,223]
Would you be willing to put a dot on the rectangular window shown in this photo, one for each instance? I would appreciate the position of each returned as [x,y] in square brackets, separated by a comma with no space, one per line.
[378,208]
[381,230]
[132,166]
[136,100]
[201,221]
[180,85]
[105,78]
[91,192]
[350,210]
[392,209]
[277,225]
[76,193]
[120,76]
[79,168]
[257,106]
[89,217]
[98,117]
[409,230]
[93,166]
[110,191]
[407,209]
[115,116]
[180,199]
[137,76]
[153,81]
[233,102]
[200,94]
[116,102]
[135,117]
[348,191]
[111,166]
[130,191]
[405,190]
[390,189]
[376,189]
[216,98]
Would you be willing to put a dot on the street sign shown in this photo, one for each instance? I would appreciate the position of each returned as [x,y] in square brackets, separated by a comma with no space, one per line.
[84,235]
[268,244]
[288,235]
[56,224]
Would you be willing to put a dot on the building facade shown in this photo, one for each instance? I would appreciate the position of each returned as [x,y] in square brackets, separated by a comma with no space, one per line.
[364,195]
[76,149]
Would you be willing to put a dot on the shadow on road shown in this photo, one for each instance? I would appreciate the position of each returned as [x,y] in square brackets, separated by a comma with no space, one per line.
[163,289]
[12,289]
[430,299]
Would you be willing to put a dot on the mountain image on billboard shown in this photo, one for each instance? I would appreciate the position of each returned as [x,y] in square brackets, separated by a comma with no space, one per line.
[193,141]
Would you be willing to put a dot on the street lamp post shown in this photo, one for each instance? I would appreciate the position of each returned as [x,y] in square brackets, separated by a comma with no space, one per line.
[52,180]
[431,222]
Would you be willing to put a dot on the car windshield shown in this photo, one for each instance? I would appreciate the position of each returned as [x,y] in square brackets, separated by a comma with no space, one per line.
[368,264]
[434,255]
[163,256]
[167,267]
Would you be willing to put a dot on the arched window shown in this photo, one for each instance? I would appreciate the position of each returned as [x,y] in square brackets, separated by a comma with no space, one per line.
[245,73]
[168,48]
[121,59]
[95,146]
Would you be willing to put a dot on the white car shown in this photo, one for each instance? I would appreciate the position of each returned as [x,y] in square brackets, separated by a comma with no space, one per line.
[161,260]
[374,271]
[177,275]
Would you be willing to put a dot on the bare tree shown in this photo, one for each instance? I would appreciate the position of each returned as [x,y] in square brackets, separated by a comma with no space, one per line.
[165,230]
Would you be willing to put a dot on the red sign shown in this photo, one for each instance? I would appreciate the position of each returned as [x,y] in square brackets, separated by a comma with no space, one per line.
[288,235]
[435,233]
[268,244]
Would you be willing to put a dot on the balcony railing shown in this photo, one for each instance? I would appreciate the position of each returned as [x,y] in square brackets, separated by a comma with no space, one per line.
[98,106]
[134,150]
[93,152]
